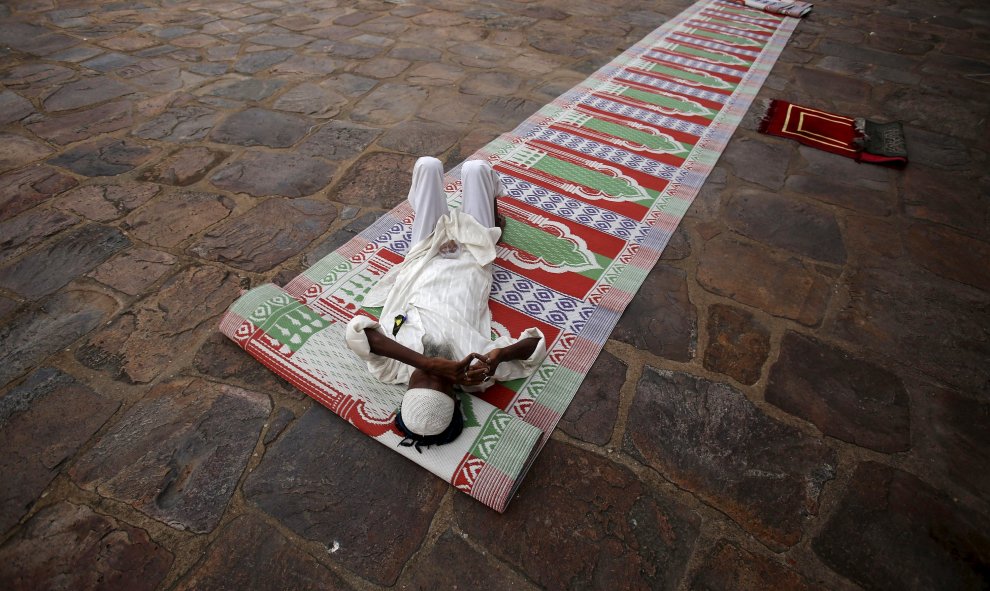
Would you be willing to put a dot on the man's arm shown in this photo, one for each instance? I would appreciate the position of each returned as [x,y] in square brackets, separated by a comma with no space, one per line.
[521,349]
[457,372]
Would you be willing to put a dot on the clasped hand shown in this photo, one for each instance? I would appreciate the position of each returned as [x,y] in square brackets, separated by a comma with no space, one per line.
[470,371]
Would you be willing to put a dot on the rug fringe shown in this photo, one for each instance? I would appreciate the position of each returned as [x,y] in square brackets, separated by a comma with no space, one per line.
[859,124]
[767,107]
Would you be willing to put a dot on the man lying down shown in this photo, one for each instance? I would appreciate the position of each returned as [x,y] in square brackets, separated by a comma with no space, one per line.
[435,329]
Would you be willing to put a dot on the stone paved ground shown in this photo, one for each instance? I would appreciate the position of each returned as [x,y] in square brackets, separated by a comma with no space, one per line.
[798,398]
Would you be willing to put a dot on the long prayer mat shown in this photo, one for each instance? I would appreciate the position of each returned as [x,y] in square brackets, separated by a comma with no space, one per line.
[860,139]
[598,181]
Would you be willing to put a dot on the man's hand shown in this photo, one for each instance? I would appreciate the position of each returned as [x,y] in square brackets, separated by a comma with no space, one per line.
[518,350]
[461,372]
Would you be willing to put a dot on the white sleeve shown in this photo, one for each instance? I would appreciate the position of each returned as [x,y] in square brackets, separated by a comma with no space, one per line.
[355,337]
[519,368]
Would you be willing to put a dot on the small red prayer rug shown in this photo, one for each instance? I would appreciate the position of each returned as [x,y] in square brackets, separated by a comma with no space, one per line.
[859,139]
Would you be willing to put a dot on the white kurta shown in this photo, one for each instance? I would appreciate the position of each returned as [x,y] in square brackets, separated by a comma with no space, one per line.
[444,300]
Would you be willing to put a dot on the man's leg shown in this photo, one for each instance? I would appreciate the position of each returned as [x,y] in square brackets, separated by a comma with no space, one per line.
[481,187]
[427,197]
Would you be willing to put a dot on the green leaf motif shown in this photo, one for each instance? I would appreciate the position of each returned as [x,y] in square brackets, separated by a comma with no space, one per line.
[467,407]
[657,143]
[555,251]
[611,187]
[684,106]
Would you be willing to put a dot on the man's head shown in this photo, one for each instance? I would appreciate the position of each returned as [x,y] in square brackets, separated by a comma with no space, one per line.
[429,414]
[426,412]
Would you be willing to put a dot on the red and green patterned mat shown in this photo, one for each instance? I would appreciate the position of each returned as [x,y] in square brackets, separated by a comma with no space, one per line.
[598,181]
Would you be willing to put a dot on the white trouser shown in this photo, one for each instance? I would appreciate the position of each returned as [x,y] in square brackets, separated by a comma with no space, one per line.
[480,188]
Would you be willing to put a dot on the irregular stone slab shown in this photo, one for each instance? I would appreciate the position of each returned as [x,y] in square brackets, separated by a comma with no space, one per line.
[679,246]
[282,39]
[268,173]
[134,270]
[947,198]
[184,167]
[874,242]
[109,62]
[345,50]
[35,79]
[298,22]
[453,564]
[29,229]
[261,60]
[279,422]
[85,124]
[247,543]
[183,124]
[338,140]
[491,84]
[311,99]
[901,314]
[949,254]
[251,89]
[435,74]
[893,531]
[16,151]
[473,141]
[956,442]
[822,164]
[760,161]
[36,333]
[420,138]
[140,344]
[844,397]
[730,567]
[591,414]
[787,223]
[842,192]
[13,107]
[102,203]
[938,150]
[316,490]
[128,42]
[339,238]
[418,54]
[382,67]
[177,216]
[222,359]
[935,110]
[507,111]
[261,127]
[841,88]
[377,180]
[34,39]
[86,92]
[579,497]
[266,235]
[105,157]
[43,423]
[307,64]
[67,546]
[389,103]
[738,344]
[661,318]
[184,471]
[45,270]
[710,440]
[351,85]
[749,275]
[166,80]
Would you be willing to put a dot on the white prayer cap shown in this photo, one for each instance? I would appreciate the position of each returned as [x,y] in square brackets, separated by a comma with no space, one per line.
[426,412]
